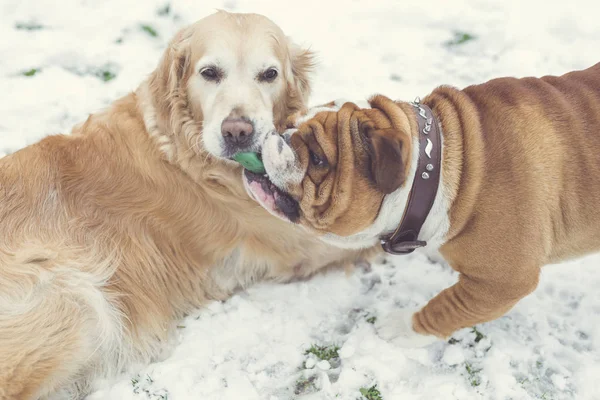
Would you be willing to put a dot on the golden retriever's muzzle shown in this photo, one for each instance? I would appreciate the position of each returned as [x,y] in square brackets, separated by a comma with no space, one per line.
[238,135]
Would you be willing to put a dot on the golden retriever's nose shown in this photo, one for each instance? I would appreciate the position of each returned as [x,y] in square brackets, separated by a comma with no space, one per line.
[236,130]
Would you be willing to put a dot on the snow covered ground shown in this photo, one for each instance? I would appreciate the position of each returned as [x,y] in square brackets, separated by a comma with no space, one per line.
[60,60]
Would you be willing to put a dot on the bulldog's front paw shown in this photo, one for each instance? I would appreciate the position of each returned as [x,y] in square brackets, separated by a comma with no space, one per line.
[397,328]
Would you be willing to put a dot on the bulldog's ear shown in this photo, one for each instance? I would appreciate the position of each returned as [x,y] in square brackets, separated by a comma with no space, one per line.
[384,147]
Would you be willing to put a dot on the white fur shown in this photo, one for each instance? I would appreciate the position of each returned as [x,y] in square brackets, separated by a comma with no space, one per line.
[281,166]
[396,327]
[241,59]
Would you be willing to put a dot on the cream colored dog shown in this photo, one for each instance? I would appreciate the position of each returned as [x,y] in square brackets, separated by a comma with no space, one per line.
[109,235]
[518,186]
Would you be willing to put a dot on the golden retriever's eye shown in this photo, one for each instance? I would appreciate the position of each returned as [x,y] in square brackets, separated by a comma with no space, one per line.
[211,74]
[269,75]
[315,159]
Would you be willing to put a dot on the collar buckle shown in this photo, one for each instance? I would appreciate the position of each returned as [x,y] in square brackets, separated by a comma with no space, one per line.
[402,243]
[402,248]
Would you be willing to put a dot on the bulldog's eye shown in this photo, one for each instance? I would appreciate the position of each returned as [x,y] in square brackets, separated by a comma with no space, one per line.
[269,75]
[211,74]
[316,160]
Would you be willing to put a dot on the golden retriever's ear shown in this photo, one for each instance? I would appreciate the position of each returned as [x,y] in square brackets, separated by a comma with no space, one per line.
[387,164]
[173,66]
[302,62]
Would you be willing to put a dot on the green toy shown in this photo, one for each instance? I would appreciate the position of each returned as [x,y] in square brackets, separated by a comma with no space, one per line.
[250,161]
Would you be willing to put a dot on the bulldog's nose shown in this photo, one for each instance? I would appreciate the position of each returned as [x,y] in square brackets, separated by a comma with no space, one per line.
[237,131]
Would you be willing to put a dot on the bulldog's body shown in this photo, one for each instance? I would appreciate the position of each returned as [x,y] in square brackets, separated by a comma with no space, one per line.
[520,186]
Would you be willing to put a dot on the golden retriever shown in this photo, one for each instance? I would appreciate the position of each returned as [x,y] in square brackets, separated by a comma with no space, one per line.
[112,233]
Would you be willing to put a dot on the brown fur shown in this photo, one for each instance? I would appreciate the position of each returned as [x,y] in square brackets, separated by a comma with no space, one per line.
[359,148]
[109,235]
[519,173]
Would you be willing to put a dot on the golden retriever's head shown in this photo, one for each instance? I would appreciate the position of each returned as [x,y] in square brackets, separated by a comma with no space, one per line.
[332,173]
[225,83]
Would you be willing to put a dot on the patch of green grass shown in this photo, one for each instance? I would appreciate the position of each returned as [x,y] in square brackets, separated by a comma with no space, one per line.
[474,378]
[323,352]
[460,37]
[305,385]
[28,26]
[165,10]
[478,335]
[180,326]
[371,393]
[31,72]
[105,75]
[372,319]
[453,341]
[149,30]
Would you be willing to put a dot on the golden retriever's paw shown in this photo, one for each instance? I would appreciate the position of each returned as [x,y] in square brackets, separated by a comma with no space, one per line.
[397,328]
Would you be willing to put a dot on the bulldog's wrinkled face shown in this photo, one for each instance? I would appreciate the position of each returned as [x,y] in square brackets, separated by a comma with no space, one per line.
[331,174]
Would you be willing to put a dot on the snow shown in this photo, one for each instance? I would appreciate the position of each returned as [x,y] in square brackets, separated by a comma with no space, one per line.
[253,345]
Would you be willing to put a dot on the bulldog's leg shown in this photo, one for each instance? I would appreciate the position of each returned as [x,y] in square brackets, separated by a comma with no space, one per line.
[469,302]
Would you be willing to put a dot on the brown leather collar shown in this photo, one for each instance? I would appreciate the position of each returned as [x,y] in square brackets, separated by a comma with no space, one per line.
[424,188]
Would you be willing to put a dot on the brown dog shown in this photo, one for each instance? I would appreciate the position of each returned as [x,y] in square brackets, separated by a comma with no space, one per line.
[109,235]
[518,187]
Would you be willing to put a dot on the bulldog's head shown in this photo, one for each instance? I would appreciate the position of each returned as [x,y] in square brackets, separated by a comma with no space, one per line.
[332,173]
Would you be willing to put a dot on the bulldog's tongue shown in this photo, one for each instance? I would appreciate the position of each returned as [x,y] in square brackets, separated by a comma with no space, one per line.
[272,197]
[265,196]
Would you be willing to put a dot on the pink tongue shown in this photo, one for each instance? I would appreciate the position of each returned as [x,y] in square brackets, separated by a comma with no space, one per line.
[265,198]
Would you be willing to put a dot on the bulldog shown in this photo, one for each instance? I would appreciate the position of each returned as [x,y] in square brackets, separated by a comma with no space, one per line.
[500,178]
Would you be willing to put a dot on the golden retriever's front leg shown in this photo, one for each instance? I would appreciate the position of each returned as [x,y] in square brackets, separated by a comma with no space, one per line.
[467,303]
